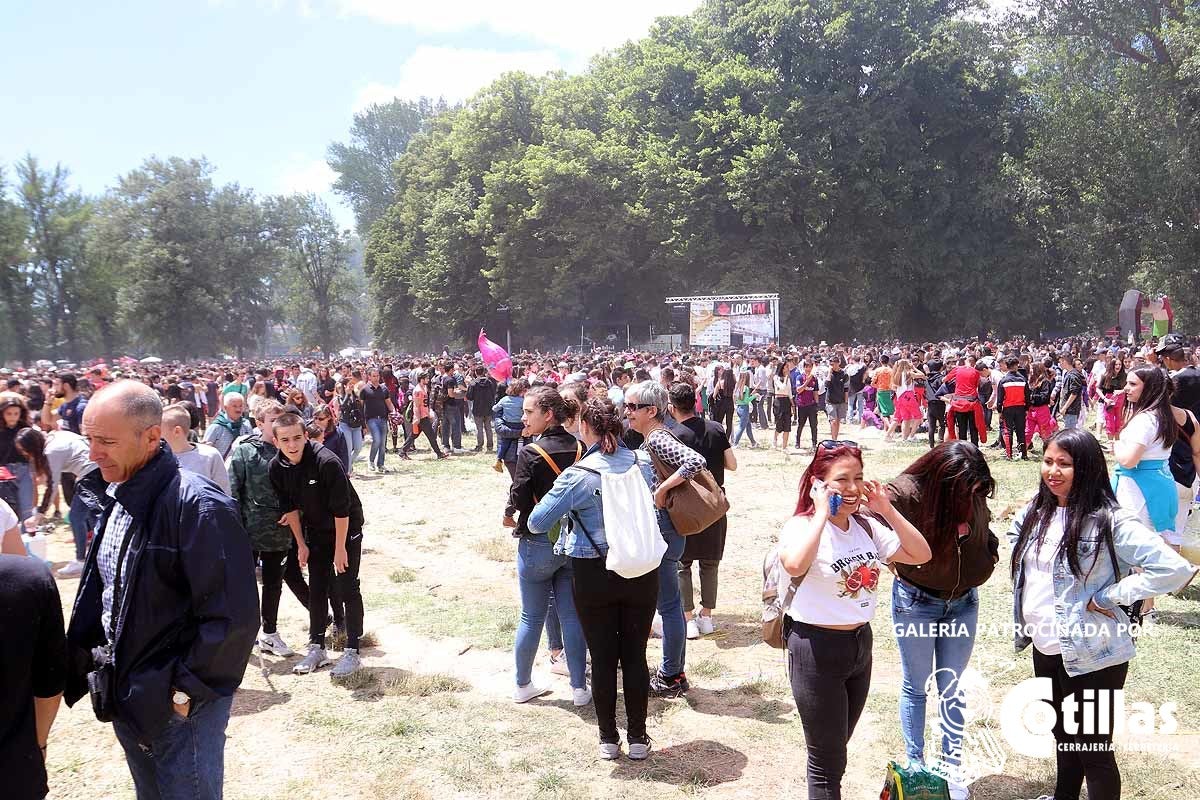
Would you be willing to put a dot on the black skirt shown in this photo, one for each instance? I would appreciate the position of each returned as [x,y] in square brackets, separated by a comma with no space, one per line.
[708,544]
[783,415]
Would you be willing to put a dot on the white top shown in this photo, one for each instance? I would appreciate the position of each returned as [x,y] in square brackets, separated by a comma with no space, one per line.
[1037,596]
[841,587]
[67,452]
[204,459]
[8,518]
[1142,429]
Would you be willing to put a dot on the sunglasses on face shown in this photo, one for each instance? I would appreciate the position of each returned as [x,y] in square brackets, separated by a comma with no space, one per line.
[637,406]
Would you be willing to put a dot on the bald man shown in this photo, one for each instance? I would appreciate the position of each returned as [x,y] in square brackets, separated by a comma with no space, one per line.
[167,608]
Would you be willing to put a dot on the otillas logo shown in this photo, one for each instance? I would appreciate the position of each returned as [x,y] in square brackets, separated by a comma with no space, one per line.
[1027,716]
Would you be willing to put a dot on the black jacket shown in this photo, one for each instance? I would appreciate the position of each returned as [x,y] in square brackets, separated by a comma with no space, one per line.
[318,486]
[189,611]
[482,394]
[533,477]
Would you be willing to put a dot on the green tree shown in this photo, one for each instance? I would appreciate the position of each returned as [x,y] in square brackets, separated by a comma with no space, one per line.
[316,270]
[16,280]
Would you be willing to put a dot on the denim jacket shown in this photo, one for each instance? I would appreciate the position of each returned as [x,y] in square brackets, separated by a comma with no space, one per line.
[1164,571]
[577,492]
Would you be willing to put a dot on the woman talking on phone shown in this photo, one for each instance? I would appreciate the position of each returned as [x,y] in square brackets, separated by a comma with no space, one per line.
[839,552]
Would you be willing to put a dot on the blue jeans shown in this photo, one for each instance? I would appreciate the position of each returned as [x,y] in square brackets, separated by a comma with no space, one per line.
[378,428]
[25,491]
[186,761]
[670,608]
[921,652]
[354,440]
[452,427]
[744,426]
[1070,420]
[854,404]
[539,570]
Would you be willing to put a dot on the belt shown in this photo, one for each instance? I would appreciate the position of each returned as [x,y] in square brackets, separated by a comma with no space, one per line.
[941,594]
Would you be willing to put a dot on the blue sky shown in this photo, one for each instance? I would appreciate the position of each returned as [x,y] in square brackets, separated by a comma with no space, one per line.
[261,87]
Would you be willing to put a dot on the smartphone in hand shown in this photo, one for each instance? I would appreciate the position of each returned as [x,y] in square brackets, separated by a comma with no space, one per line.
[835,499]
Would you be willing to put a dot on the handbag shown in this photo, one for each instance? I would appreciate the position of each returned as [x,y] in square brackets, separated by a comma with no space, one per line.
[695,504]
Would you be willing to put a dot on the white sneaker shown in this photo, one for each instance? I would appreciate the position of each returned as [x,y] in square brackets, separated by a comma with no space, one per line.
[639,751]
[693,631]
[656,626]
[348,664]
[610,752]
[581,697]
[558,664]
[71,569]
[705,623]
[316,658]
[274,644]
[523,694]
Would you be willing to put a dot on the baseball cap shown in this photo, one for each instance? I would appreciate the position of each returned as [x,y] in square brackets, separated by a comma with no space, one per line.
[1170,343]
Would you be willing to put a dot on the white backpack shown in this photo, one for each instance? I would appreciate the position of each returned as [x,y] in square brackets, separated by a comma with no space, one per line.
[635,543]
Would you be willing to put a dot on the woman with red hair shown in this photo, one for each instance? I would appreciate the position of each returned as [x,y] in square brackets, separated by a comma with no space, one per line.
[838,551]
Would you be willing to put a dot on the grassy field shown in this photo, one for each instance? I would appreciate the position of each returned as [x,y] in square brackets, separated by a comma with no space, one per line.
[431,716]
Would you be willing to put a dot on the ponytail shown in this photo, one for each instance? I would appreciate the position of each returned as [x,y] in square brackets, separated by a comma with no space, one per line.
[602,417]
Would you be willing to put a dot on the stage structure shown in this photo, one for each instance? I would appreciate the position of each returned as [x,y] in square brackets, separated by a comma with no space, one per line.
[730,320]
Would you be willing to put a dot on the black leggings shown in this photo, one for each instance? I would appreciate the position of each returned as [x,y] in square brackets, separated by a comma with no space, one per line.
[806,414]
[615,614]
[831,673]
[722,412]
[323,582]
[426,427]
[1097,766]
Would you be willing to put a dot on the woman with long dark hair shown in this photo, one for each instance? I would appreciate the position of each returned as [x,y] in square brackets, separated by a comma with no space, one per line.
[1143,482]
[839,552]
[615,612]
[935,606]
[14,418]
[782,406]
[722,401]
[1073,568]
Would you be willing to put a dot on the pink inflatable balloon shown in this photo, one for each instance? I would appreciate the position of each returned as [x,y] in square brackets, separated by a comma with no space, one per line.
[503,369]
[495,357]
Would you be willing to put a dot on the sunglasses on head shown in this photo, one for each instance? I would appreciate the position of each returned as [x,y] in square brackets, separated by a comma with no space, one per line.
[833,444]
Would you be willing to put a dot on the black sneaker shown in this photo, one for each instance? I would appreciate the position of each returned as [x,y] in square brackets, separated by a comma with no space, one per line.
[668,685]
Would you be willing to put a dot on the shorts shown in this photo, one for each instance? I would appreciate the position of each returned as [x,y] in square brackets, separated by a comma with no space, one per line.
[836,411]
[884,403]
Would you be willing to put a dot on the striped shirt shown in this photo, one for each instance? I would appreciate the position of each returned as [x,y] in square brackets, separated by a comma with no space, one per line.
[115,531]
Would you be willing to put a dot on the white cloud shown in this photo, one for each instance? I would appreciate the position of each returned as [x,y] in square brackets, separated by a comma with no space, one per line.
[454,73]
[306,176]
[579,28]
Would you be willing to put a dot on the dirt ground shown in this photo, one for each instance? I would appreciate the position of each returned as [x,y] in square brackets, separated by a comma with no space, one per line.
[432,714]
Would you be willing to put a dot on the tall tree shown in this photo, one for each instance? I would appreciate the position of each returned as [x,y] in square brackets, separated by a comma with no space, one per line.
[316,264]
[16,279]
[378,135]
[57,218]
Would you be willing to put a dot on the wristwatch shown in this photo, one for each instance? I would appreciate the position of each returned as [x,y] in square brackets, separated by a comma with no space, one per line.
[180,699]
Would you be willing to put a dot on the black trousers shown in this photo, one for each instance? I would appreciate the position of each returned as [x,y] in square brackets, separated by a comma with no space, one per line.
[1095,762]
[426,427]
[322,579]
[830,673]
[1012,420]
[965,422]
[806,415]
[937,422]
[722,412]
[615,614]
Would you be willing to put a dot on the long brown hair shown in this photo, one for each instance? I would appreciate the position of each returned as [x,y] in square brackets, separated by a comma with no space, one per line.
[33,444]
[602,416]
[955,480]
[1155,400]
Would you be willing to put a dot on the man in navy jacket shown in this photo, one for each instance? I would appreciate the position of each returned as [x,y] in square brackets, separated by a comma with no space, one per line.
[168,590]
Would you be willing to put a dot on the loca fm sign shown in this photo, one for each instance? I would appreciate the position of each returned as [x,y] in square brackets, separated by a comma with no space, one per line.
[1027,716]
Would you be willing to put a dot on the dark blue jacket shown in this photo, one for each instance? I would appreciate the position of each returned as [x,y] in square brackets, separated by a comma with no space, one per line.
[189,613]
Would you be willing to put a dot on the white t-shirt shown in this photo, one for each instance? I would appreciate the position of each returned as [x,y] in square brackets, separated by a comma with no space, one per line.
[1037,596]
[205,460]
[8,518]
[841,587]
[1142,429]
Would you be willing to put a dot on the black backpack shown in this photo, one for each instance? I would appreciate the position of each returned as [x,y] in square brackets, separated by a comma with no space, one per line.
[352,411]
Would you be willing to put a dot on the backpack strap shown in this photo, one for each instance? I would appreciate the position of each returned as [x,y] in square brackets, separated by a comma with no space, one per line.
[575,520]
[550,461]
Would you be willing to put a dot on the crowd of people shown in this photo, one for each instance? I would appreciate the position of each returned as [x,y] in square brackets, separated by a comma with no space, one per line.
[181,481]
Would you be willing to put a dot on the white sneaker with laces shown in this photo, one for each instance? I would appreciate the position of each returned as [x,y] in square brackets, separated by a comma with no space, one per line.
[348,664]
[639,751]
[558,664]
[71,569]
[316,658]
[581,697]
[610,751]
[274,644]
[523,694]
[693,631]
[705,623]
